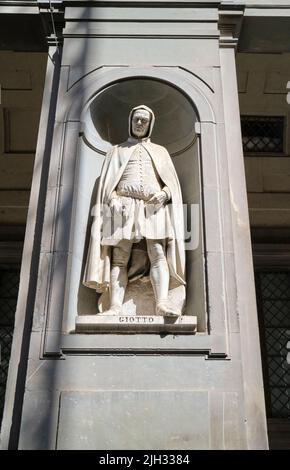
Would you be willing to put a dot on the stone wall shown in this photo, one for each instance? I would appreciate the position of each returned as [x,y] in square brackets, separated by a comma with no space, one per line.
[22,79]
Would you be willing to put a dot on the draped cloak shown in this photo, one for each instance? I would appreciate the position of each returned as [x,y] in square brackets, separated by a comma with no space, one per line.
[98,263]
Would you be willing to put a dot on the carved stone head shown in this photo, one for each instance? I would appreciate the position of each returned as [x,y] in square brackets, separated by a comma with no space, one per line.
[141,122]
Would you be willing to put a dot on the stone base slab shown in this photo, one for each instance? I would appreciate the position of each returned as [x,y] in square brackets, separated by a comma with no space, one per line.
[135,324]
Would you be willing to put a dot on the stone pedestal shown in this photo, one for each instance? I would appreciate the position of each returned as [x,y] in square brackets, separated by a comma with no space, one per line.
[135,324]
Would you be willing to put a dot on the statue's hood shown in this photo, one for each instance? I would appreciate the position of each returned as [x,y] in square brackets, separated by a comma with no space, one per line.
[152,121]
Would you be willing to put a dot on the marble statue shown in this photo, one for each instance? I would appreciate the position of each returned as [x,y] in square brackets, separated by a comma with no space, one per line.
[138,225]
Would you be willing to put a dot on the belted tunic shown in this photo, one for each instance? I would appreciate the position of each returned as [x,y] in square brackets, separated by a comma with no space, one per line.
[140,179]
[138,183]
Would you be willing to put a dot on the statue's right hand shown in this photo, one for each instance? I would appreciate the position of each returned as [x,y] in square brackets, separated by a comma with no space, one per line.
[116,205]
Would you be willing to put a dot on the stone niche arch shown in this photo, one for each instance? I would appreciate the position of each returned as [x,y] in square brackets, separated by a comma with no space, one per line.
[104,122]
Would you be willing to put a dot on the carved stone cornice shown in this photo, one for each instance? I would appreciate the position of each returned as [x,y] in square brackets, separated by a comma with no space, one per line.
[52,17]
[230,22]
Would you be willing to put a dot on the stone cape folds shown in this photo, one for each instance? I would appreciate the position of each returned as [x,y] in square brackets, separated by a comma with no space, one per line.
[98,264]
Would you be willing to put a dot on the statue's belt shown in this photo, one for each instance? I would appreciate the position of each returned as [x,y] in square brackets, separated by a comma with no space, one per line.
[138,191]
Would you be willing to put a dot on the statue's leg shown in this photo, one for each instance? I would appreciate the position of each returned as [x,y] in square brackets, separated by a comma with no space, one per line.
[119,276]
[159,275]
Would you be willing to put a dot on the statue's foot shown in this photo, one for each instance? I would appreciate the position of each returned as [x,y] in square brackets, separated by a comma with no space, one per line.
[166,310]
[114,310]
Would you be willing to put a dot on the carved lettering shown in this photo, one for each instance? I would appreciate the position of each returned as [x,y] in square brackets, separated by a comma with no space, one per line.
[137,319]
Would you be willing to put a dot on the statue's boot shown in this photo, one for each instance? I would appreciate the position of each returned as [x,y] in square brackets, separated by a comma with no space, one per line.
[164,309]
[159,275]
[119,280]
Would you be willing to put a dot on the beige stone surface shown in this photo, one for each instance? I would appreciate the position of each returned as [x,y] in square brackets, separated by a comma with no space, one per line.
[267,176]
[276,175]
[22,80]
[254,174]
[269,210]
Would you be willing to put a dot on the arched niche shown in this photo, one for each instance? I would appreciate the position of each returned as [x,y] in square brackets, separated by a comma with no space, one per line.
[105,123]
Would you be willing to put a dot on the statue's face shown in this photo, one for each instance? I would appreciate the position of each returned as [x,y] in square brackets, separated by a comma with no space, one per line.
[140,123]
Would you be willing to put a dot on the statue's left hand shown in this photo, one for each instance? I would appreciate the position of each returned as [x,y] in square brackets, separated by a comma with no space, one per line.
[158,199]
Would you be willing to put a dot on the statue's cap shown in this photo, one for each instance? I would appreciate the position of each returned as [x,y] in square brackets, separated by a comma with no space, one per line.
[152,120]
